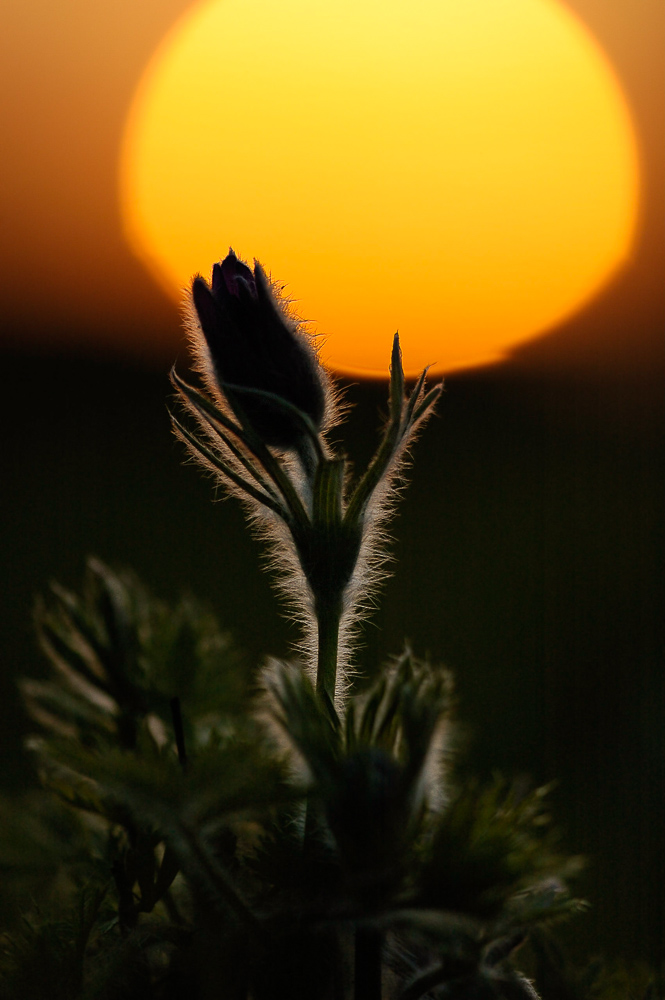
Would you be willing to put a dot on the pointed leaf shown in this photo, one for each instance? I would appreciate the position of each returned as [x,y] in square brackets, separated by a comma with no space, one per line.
[202,451]
[428,401]
[64,654]
[210,413]
[396,382]
[413,399]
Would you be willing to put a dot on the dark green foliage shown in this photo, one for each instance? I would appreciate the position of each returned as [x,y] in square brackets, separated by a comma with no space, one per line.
[561,979]
[488,850]
[292,829]
[45,958]
[212,832]
[120,656]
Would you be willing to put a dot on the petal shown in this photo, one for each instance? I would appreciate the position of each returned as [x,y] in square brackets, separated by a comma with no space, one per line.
[233,271]
[206,309]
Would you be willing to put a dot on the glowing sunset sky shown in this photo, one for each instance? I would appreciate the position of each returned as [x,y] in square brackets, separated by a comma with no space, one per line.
[68,74]
[467,174]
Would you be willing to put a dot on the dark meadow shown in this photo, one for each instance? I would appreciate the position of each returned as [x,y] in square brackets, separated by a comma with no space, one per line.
[528,559]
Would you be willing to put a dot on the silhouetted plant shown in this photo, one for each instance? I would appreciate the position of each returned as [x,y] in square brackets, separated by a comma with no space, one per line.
[216,831]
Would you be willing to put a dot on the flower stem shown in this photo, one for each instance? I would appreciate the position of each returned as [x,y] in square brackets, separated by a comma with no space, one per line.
[329,616]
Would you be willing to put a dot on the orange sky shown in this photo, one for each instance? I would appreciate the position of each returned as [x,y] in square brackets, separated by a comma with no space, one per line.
[67,73]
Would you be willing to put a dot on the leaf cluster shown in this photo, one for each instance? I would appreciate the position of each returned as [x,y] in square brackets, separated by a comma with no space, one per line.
[323,524]
[212,832]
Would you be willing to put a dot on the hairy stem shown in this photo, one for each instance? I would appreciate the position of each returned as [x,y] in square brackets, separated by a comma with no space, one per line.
[329,616]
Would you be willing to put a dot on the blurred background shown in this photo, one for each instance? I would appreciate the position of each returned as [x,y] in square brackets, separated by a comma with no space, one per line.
[529,543]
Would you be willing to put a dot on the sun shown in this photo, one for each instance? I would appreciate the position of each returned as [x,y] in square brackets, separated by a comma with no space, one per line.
[463,172]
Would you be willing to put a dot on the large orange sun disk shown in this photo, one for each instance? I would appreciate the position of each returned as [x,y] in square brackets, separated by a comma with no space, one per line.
[463,172]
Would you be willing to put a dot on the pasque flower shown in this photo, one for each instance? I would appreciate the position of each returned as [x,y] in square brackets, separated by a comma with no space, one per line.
[256,351]
[324,526]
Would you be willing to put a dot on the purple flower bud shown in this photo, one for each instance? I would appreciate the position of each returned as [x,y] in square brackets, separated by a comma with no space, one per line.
[252,343]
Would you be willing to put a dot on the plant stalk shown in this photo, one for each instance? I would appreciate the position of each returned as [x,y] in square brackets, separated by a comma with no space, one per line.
[328,616]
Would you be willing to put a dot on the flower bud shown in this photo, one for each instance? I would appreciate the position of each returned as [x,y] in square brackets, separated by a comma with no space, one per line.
[251,343]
